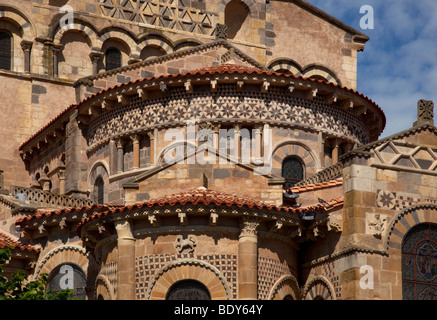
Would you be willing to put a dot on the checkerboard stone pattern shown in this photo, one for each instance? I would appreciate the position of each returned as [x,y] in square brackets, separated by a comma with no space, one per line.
[149,265]
[110,271]
[269,271]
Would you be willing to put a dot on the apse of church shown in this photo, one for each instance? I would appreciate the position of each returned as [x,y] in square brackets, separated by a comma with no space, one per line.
[220,150]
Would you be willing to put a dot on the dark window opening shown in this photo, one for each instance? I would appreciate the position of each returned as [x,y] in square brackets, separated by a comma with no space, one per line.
[5,50]
[99,190]
[292,171]
[113,59]
[68,276]
[188,290]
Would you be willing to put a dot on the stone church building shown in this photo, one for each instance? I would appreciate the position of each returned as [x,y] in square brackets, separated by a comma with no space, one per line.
[207,149]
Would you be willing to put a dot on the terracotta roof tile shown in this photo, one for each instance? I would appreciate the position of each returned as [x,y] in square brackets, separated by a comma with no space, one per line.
[7,240]
[205,196]
[71,107]
[316,186]
[45,213]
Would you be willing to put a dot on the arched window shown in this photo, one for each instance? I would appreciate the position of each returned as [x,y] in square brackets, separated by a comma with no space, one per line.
[99,190]
[113,59]
[5,50]
[419,263]
[68,276]
[237,20]
[188,290]
[292,171]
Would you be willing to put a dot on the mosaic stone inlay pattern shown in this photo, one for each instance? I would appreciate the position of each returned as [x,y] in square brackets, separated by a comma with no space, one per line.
[334,278]
[274,107]
[269,271]
[110,271]
[169,14]
[147,266]
[398,201]
[396,153]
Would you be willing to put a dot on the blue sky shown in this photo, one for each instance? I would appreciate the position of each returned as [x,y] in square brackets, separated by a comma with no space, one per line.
[399,63]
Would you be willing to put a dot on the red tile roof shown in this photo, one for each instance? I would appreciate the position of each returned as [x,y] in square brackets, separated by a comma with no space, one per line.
[46,213]
[205,196]
[316,186]
[232,69]
[7,240]
[212,70]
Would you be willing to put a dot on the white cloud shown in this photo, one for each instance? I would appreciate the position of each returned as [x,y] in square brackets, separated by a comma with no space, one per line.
[399,64]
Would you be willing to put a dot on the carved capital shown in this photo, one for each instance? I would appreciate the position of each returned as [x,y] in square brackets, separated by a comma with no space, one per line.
[26,45]
[249,227]
[124,231]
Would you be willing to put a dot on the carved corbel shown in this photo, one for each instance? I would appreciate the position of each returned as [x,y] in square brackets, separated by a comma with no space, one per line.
[265,87]
[311,94]
[330,99]
[107,104]
[358,111]
[94,111]
[277,226]
[347,104]
[188,86]
[143,94]
[213,217]
[240,85]
[182,218]
[63,223]
[295,233]
[42,228]
[153,220]
[123,99]
[163,87]
[213,85]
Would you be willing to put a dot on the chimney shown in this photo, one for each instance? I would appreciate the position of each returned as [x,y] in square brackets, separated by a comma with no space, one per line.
[425,113]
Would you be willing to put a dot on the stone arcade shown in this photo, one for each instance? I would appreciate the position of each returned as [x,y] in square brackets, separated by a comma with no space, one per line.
[85,184]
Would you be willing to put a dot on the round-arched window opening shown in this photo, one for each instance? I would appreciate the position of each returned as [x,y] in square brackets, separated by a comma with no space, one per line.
[292,171]
[188,290]
[113,58]
[419,263]
[68,276]
[5,50]
[288,297]
[99,190]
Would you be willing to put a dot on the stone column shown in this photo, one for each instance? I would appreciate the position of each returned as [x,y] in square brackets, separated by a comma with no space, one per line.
[26,46]
[248,260]
[151,147]
[136,151]
[120,156]
[56,50]
[61,176]
[322,141]
[125,261]
[237,142]
[336,145]
[258,144]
